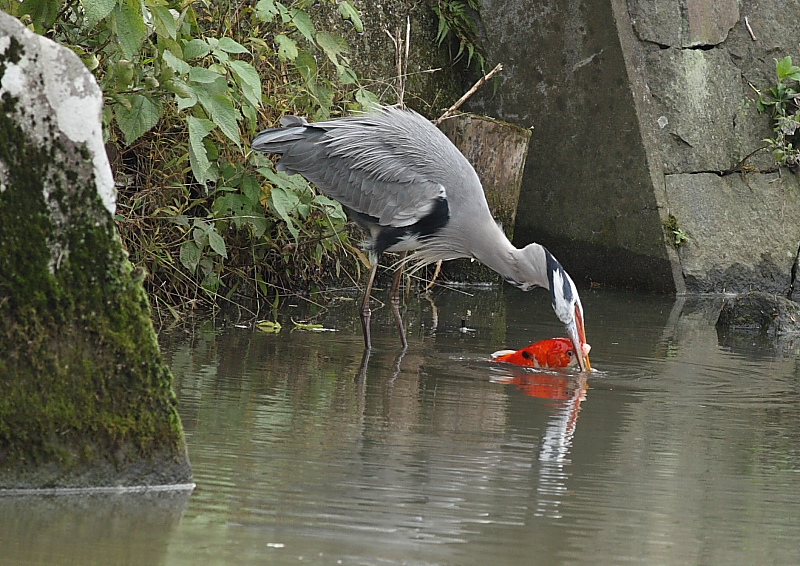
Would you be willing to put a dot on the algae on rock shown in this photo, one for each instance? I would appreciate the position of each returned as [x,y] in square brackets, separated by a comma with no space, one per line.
[85,398]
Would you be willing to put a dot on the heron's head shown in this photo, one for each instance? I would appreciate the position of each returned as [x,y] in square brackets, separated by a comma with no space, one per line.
[569,310]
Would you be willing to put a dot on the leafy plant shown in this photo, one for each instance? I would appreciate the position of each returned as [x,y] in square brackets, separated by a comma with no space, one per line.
[459,18]
[185,82]
[781,101]
[677,234]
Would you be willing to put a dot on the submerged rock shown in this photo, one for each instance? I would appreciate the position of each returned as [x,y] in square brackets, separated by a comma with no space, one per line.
[764,313]
[85,398]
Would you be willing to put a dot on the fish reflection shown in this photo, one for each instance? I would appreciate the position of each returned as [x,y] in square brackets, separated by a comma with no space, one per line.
[565,392]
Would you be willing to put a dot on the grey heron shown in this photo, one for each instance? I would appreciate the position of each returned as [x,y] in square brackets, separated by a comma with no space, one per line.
[410,188]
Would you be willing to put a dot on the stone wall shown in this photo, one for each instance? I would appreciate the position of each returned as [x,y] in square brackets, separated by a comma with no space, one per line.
[642,110]
[433,80]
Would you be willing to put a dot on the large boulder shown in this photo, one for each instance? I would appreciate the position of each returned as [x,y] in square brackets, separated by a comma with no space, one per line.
[85,398]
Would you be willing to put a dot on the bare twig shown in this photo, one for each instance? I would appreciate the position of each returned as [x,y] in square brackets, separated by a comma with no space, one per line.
[740,166]
[401,53]
[467,94]
[749,29]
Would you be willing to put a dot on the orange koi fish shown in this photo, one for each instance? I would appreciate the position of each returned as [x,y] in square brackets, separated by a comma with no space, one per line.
[552,353]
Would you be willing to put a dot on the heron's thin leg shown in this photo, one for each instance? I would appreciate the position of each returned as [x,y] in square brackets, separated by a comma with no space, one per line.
[366,312]
[394,298]
[435,275]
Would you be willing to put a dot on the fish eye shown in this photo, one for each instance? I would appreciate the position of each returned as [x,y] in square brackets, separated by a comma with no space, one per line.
[570,353]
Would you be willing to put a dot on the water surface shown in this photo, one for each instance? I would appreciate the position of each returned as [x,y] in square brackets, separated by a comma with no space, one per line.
[681,449]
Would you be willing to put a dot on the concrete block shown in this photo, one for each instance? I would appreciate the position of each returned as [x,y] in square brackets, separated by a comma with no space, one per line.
[743,231]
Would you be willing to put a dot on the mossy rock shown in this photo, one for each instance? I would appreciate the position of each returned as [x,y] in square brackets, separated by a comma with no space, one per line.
[86,399]
[760,312]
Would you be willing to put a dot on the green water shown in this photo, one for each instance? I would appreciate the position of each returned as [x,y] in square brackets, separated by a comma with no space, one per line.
[681,449]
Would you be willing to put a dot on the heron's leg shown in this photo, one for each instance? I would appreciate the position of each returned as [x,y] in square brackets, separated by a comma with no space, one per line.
[366,312]
[394,297]
[436,273]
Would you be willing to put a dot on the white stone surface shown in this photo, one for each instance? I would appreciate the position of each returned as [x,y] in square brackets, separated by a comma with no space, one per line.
[50,80]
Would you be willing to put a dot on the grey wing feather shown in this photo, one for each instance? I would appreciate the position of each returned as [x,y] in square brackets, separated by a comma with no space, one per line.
[391,165]
[288,121]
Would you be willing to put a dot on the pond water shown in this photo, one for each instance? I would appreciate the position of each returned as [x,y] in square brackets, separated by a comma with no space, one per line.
[682,448]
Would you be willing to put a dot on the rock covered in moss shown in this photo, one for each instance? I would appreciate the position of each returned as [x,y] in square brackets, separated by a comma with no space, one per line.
[85,398]
[760,312]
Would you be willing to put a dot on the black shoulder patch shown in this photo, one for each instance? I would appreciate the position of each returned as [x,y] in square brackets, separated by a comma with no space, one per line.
[526,354]
[425,227]
[434,221]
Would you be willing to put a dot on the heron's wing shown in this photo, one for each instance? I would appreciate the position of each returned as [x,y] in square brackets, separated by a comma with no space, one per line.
[392,165]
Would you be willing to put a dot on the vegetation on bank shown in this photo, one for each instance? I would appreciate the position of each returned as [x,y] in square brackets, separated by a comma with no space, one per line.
[187,83]
[781,102]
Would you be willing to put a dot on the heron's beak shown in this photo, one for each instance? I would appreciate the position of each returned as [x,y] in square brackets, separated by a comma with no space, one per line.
[578,337]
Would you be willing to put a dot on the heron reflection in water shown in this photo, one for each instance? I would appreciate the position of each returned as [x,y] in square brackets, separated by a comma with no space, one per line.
[564,393]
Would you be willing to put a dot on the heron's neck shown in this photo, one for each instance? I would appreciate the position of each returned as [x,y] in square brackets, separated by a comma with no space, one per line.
[525,268]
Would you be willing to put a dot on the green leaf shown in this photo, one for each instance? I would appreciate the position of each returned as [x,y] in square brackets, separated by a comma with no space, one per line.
[185,102]
[324,96]
[243,210]
[230,46]
[251,190]
[306,325]
[367,99]
[346,75]
[203,226]
[190,255]
[348,12]
[786,70]
[333,45]
[181,220]
[198,157]
[248,80]
[260,226]
[176,63]
[307,66]
[286,17]
[287,48]
[231,205]
[131,29]
[283,204]
[266,10]
[294,183]
[142,115]
[249,113]
[96,10]
[783,66]
[196,48]
[223,114]
[217,244]
[211,282]
[202,75]
[330,207]
[164,21]
[268,326]
[303,22]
